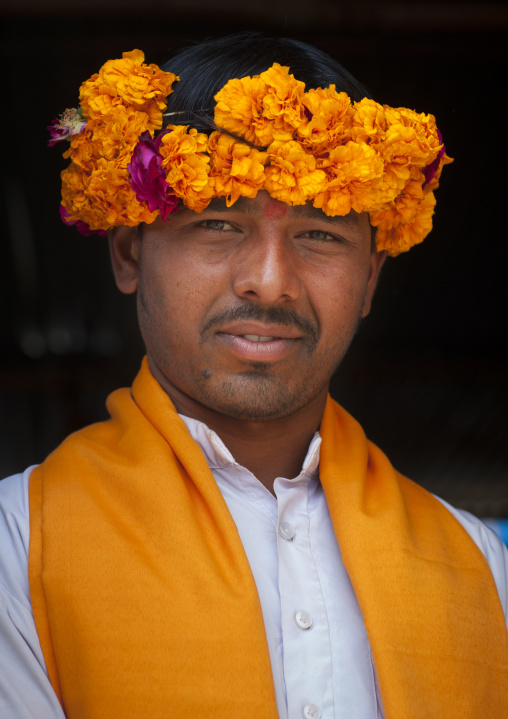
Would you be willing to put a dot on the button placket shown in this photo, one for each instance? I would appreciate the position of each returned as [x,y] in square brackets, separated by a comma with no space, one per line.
[305,629]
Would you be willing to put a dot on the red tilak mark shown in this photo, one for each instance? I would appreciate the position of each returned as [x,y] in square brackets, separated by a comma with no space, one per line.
[275,210]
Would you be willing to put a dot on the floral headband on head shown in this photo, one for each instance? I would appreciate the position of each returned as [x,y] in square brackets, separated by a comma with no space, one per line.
[316,146]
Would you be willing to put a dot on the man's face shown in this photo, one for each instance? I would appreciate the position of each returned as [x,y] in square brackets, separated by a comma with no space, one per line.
[249,310]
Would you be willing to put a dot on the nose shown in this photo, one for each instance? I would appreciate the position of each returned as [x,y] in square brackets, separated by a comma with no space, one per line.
[266,270]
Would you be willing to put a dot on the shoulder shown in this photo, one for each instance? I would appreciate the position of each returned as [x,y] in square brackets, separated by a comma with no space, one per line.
[491,546]
[25,690]
[15,534]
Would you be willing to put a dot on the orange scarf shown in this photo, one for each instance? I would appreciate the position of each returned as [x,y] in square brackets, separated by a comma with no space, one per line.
[146,606]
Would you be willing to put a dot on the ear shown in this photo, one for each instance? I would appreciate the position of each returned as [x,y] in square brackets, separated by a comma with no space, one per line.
[377,260]
[124,247]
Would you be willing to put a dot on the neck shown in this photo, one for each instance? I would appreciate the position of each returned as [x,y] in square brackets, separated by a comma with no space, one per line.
[268,449]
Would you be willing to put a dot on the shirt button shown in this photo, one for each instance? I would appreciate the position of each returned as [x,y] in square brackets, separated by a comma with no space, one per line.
[286,531]
[311,711]
[304,621]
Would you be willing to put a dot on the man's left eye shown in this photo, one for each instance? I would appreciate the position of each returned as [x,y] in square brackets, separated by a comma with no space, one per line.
[217,225]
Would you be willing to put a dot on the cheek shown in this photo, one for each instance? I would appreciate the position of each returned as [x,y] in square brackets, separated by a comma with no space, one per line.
[338,302]
[173,303]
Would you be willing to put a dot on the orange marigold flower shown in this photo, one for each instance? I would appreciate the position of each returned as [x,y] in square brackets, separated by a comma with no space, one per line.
[328,119]
[114,139]
[101,198]
[354,174]
[261,108]
[81,149]
[291,175]
[239,110]
[283,101]
[368,120]
[407,222]
[118,137]
[404,207]
[236,168]
[73,186]
[129,82]
[410,141]
[187,166]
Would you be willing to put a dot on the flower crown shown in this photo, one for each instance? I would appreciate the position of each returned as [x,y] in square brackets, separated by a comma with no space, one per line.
[315,146]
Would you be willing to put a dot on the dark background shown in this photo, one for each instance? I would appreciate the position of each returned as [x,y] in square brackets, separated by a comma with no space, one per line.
[427,375]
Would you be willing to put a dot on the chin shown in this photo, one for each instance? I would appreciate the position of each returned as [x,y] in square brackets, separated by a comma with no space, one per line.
[258,398]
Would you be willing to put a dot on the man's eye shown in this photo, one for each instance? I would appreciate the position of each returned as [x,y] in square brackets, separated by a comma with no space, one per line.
[319,236]
[217,225]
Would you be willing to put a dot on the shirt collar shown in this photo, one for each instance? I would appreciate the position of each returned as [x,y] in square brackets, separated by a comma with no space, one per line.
[218,455]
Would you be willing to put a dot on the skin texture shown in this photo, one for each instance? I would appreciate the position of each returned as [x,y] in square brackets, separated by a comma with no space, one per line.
[259,268]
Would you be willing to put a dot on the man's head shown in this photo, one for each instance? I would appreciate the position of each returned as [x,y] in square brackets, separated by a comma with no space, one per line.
[254,264]
[248,310]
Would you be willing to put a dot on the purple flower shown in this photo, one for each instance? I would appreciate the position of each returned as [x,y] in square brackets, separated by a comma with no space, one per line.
[57,133]
[148,179]
[431,169]
[81,226]
[71,122]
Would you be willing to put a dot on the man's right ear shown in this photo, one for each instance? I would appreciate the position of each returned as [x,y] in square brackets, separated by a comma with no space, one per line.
[124,247]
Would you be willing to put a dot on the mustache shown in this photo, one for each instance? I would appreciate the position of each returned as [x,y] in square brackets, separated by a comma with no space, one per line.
[270,315]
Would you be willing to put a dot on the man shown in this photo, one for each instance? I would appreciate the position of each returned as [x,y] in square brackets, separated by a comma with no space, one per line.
[229,544]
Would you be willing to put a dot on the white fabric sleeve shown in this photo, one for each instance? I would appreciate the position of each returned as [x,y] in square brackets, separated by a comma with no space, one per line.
[25,689]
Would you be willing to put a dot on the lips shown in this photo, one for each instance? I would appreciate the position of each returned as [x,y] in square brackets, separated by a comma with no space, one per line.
[261,348]
[258,342]
[261,332]
[260,338]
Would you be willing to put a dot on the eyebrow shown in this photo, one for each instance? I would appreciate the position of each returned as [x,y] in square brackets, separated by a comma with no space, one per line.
[296,212]
[310,212]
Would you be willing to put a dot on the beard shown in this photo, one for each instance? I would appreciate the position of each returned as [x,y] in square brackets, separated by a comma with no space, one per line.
[256,396]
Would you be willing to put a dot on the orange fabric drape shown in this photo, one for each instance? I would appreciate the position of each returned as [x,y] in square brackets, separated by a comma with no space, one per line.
[146,606]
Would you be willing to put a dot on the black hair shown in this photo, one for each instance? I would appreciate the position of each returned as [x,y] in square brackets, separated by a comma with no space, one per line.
[205,68]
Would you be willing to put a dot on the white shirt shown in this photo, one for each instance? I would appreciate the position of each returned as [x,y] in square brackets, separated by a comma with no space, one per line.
[319,650]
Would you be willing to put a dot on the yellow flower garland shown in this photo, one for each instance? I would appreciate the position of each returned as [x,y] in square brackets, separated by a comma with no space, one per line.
[316,146]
